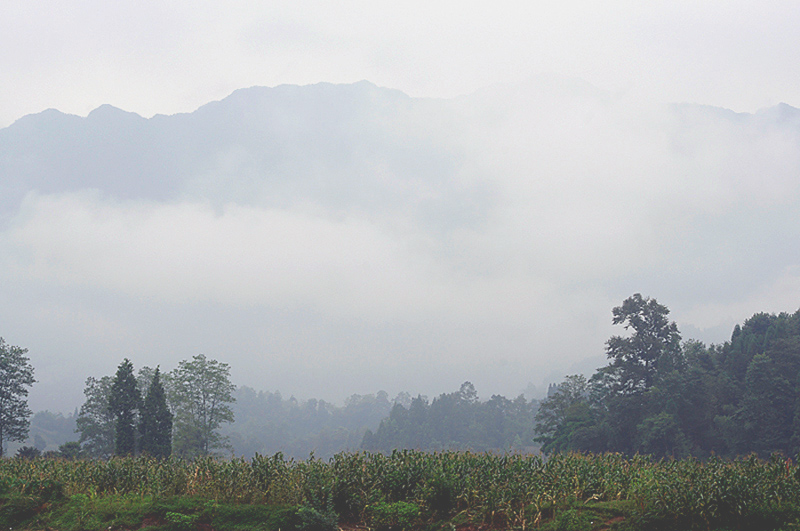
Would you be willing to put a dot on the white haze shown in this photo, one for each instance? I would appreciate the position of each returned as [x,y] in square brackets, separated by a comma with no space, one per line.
[172,56]
[410,244]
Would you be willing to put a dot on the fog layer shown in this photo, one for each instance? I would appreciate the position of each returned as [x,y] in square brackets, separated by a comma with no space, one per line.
[332,239]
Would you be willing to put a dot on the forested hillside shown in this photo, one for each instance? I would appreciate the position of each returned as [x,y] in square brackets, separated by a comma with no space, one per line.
[457,421]
[267,423]
[663,397]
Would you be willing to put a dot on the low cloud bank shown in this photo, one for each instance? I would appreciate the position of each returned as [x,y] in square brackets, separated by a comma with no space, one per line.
[412,244]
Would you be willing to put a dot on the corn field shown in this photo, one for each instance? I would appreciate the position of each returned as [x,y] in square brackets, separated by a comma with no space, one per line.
[508,491]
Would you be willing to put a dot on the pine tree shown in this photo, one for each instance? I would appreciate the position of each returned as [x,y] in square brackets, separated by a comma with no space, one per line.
[156,425]
[124,403]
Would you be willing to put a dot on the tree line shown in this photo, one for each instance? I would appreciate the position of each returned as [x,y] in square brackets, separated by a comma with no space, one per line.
[267,423]
[177,413]
[456,421]
[657,395]
[264,423]
[664,397]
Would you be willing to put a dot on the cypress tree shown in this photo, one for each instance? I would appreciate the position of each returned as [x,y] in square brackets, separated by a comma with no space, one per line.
[156,426]
[124,402]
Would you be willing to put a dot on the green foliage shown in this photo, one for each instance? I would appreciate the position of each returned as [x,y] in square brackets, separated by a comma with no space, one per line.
[28,452]
[114,417]
[70,450]
[156,423]
[397,516]
[124,402]
[312,519]
[95,420]
[767,407]
[664,399]
[573,519]
[562,414]
[405,490]
[181,521]
[253,517]
[43,488]
[17,509]
[653,348]
[456,421]
[661,435]
[16,375]
[200,395]
[80,514]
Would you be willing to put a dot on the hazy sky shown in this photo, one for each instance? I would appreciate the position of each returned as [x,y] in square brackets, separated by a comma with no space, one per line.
[483,238]
[156,56]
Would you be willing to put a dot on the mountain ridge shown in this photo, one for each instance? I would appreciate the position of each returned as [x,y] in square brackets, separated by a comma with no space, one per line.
[345,145]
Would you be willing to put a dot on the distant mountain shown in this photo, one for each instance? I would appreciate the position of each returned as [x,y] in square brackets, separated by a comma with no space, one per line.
[482,237]
[342,146]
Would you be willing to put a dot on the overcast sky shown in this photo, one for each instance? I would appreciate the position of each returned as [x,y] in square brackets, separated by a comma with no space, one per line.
[532,211]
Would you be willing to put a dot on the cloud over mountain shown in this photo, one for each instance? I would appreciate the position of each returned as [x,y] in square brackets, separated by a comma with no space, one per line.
[330,239]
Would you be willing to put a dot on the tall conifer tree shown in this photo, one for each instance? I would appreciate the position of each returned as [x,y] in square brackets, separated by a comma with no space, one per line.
[125,402]
[156,425]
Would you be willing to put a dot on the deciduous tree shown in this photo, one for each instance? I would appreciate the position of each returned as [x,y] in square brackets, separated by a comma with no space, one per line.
[16,375]
[561,413]
[95,420]
[201,394]
[654,345]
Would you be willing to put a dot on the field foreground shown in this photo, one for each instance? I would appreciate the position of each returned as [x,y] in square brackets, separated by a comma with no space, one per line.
[404,491]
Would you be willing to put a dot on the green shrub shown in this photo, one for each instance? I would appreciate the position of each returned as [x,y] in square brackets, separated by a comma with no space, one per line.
[16,510]
[28,452]
[311,519]
[397,516]
[227,517]
[44,489]
[573,520]
[181,521]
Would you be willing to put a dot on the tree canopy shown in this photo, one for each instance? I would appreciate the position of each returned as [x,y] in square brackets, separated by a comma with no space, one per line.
[201,396]
[456,421]
[95,421]
[16,375]
[666,398]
